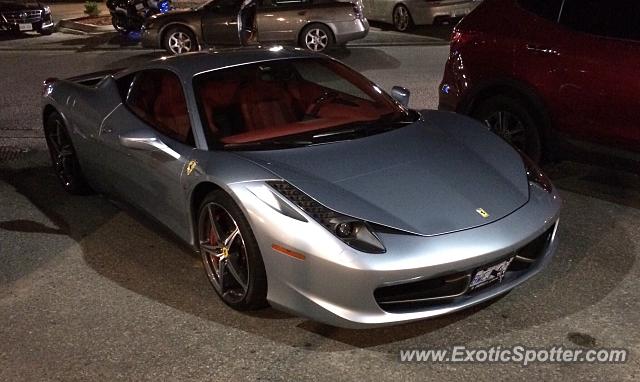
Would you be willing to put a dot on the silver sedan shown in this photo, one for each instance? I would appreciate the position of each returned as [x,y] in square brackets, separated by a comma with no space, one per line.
[305,186]
[404,14]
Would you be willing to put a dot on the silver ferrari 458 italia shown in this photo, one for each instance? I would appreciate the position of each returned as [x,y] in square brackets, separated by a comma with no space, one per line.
[305,186]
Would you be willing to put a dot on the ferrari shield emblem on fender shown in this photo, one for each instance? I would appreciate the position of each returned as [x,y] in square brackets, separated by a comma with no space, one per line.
[482,213]
[191,166]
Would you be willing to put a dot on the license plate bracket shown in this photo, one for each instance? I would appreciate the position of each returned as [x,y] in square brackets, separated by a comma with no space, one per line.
[489,274]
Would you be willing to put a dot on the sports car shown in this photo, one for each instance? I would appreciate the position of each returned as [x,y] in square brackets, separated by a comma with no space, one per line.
[305,186]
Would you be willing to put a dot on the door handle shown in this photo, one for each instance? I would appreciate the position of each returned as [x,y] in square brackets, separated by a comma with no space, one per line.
[542,50]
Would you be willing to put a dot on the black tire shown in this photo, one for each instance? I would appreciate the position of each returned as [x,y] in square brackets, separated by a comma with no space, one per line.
[317,38]
[63,156]
[45,32]
[243,248]
[513,121]
[402,20]
[182,36]
[118,24]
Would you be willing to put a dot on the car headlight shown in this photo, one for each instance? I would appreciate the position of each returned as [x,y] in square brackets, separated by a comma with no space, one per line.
[534,174]
[46,9]
[353,232]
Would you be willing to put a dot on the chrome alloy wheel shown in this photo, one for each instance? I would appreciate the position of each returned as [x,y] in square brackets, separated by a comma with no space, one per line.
[316,39]
[224,253]
[62,153]
[180,42]
[401,18]
[508,126]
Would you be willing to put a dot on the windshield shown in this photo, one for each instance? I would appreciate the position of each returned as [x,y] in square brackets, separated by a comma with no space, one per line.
[287,100]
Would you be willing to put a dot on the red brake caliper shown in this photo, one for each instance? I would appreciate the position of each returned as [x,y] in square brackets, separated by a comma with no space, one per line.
[212,241]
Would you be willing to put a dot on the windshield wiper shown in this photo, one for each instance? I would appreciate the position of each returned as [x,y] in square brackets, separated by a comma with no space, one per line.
[267,144]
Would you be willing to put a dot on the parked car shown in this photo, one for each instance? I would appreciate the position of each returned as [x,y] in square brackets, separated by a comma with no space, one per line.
[304,185]
[543,73]
[23,16]
[313,24]
[405,14]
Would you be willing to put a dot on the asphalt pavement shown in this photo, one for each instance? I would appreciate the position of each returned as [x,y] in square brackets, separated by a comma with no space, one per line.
[91,291]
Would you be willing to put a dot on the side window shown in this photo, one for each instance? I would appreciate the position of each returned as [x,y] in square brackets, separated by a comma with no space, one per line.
[124,84]
[157,98]
[227,4]
[548,9]
[612,18]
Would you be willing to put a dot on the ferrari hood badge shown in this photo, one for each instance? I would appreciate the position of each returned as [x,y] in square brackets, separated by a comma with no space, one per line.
[191,166]
[482,213]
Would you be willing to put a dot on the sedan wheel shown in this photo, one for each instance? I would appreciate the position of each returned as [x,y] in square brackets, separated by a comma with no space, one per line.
[317,38]
[230,254]
[179,41]
[401,18]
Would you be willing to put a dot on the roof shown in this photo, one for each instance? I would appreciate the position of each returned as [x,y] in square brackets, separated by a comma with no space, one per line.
[191,64]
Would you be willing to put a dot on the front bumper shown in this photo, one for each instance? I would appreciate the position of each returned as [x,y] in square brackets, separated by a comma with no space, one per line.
[41,23]
[335,284]
[350,30]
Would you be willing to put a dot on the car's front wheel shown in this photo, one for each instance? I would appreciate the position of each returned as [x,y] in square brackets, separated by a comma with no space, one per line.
[402,20]
[63,156]
[45,32]
[180,40]
[514,122]
[230,253]
[316,38]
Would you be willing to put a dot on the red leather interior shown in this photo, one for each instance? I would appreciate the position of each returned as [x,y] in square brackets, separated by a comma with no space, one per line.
[270,109]
[217,95]
[288,129]
[170,109]
[266,104]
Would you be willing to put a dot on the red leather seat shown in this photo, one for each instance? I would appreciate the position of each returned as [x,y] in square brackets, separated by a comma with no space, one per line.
[215,96]
[265,105]
[170,110]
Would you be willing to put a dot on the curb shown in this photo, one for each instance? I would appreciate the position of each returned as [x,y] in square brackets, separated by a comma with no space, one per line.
[74,25]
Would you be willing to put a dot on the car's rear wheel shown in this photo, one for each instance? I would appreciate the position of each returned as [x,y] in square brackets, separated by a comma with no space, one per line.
[512,121]
[230,253]
[63,156]
[179,40]
[316,38]
[402,20]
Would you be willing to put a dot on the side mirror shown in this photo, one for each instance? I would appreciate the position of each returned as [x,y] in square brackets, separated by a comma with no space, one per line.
[147,141]
[401,95]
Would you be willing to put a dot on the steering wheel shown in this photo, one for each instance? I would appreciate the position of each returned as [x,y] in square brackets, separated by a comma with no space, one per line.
[326,97]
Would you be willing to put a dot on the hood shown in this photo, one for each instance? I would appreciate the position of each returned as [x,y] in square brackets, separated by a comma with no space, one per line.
[8,6]
[428,178]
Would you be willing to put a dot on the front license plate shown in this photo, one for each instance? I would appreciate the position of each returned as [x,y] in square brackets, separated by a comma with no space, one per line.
[489,274]
[25,27]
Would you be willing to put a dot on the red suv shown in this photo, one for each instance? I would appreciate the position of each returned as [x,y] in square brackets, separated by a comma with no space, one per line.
[543,72]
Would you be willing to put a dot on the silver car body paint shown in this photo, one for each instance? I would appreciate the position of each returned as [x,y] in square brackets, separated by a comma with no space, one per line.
[425,181]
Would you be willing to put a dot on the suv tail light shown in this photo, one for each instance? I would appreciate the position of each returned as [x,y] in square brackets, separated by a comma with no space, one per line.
[460,38]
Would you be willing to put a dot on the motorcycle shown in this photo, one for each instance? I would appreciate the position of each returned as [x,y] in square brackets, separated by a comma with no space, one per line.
[128,16]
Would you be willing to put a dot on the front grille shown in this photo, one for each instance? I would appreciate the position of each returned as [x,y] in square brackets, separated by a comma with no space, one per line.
[23,17]
[454,287]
